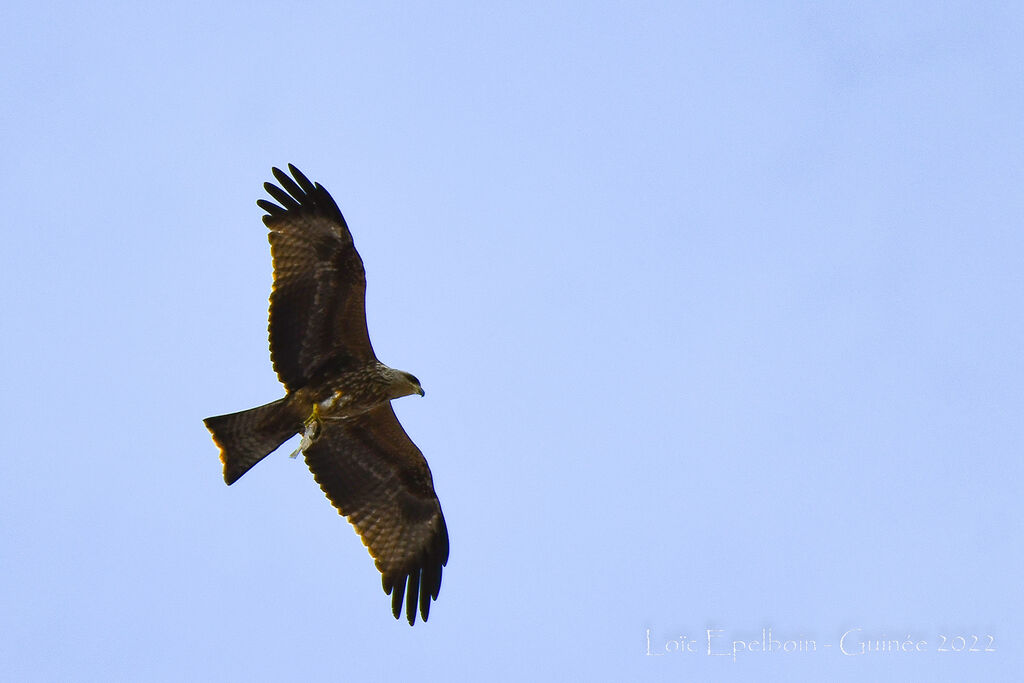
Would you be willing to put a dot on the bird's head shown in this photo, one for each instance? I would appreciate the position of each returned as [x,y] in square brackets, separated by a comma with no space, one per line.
[407,384]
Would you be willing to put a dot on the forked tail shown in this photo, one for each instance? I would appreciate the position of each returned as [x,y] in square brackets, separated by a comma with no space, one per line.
[247,437]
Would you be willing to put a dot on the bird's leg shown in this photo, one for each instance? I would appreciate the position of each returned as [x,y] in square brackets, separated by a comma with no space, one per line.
[311,430]
[314,417]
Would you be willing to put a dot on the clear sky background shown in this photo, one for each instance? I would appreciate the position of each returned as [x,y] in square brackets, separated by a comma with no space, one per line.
[717,307]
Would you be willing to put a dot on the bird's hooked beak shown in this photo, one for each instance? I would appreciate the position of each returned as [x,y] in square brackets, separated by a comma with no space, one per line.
[421,392]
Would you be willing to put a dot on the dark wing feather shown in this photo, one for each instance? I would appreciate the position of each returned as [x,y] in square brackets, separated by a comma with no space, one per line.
[376,476]
[317,306]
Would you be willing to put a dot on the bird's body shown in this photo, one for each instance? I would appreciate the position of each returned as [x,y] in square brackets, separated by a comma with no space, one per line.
[338,396]
[355,391]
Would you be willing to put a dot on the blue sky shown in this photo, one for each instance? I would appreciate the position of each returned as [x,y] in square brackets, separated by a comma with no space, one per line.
[717,307]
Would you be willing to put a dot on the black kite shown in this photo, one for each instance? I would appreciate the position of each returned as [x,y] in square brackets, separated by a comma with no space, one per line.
[338,396]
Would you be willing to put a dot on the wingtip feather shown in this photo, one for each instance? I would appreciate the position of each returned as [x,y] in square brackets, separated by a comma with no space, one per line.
[301,178]
[412,596]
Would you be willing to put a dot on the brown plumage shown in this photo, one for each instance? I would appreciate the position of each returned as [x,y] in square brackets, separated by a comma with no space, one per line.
[338,395]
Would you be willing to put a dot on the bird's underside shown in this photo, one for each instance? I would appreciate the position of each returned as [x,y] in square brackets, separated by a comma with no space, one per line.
[338,396]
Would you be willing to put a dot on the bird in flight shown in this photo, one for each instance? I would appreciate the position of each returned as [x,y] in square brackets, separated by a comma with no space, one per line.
[338,396]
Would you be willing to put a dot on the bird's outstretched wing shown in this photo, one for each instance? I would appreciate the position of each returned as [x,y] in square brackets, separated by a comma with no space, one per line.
[317,306]
[376,476]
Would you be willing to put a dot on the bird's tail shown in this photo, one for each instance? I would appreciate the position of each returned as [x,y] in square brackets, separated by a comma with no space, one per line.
[247,437]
